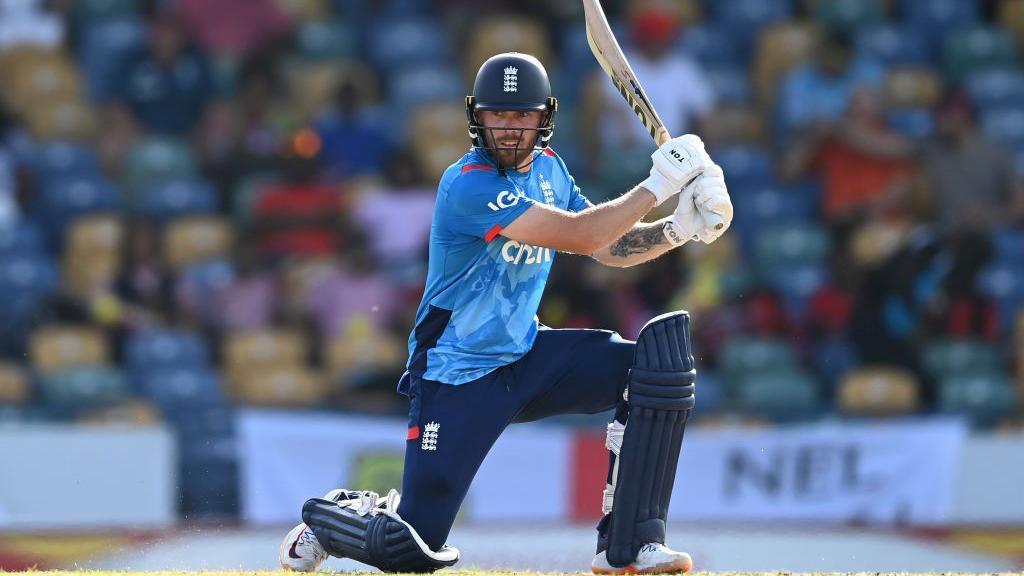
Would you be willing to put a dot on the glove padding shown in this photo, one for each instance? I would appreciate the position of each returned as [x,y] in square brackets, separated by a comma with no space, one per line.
[704,212]
[674,165]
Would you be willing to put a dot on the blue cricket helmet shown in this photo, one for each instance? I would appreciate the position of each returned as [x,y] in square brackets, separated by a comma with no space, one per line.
[512,81]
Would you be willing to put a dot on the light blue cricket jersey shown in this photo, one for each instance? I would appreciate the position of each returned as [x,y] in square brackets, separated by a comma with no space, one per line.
[479,309]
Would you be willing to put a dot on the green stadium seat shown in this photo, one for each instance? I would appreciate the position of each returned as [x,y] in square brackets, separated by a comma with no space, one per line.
[752,357]
[849,15]
[782,395]
[158,160]
[984,396]
[327,40]
[85,387]
[791,244]
[944,358]
[977,48]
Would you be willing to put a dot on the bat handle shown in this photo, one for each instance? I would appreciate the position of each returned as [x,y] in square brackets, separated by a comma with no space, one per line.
[663,136]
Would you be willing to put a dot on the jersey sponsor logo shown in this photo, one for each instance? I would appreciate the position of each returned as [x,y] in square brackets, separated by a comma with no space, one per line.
[515,253]
[505,199]
[511,79]
[429,441]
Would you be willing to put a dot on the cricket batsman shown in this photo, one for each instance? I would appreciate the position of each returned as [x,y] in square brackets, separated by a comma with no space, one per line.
[479,360]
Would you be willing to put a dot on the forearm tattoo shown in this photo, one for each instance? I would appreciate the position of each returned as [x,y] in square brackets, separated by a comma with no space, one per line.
[638,241]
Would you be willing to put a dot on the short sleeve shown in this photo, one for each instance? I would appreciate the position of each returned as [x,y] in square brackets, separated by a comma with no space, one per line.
[483,206]
[577,201]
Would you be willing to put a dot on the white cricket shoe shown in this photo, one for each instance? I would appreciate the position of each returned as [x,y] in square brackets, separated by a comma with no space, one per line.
[300,550]
[653,558]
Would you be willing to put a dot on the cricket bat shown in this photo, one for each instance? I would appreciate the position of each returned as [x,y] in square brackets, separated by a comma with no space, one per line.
[609,55]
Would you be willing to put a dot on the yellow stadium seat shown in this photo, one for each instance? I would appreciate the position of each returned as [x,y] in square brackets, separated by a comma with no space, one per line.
[1011,17]
[779,49]
[88,274]
[504,33]
[300,276]
[912,87]
[14,386]
[285,386]
[729,125]
[254,351]
[38,78]
[133,412]
[57,347]
[69,119]
[438,134]
[362,349]
[315,84]
[195,239]
[878,391]
[100,233]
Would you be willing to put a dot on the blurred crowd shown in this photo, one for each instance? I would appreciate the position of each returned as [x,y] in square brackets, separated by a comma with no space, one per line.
[213,203]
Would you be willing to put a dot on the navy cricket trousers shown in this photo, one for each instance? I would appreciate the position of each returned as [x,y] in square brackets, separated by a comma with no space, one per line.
[566,372]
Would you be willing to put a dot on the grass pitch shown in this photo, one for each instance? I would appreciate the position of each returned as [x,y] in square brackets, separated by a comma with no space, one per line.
[474,573]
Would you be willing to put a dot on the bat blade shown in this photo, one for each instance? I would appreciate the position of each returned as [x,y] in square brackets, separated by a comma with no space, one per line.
[609,55]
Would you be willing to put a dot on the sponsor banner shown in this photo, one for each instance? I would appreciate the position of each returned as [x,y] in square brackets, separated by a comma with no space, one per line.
[286,458]
[81,477]
[837,472]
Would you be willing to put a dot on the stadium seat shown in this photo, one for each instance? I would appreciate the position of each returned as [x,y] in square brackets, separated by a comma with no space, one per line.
[974,49]
[893,45]
[786,395]
[996,87]
[174,198]
[261,351]
[742,356]
[790,245]
[731,85]
[497,34]
[849,15]
[361,353]
[937,17]
[281,386]
[59,347]
[14,385]
[944,358]
[744,164]
[157,160]
[64,160]
[912,87]
[918,123]
[62,201]
[97,233]
[1011,17]
[21,238]
[834,357]
[92,254]
[779,49]
[425,84]
[984,396]
[62,119]
[327,40]
[195,239]
[179,388]
[712,46]
[83,387]
[39,79]
[437,133]
[92,12]
[1008,244]
[878,391]
[1005,125]
[796,284]
[314,85]
[406,42]
[733,126]
[743,18]
[102,46]
[26,281]
[165,350]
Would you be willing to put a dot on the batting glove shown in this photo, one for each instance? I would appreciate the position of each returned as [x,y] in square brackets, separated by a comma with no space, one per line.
[704,211]
[674,165]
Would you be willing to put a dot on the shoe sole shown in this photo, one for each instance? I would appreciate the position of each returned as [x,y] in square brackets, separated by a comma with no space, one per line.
[680,566]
